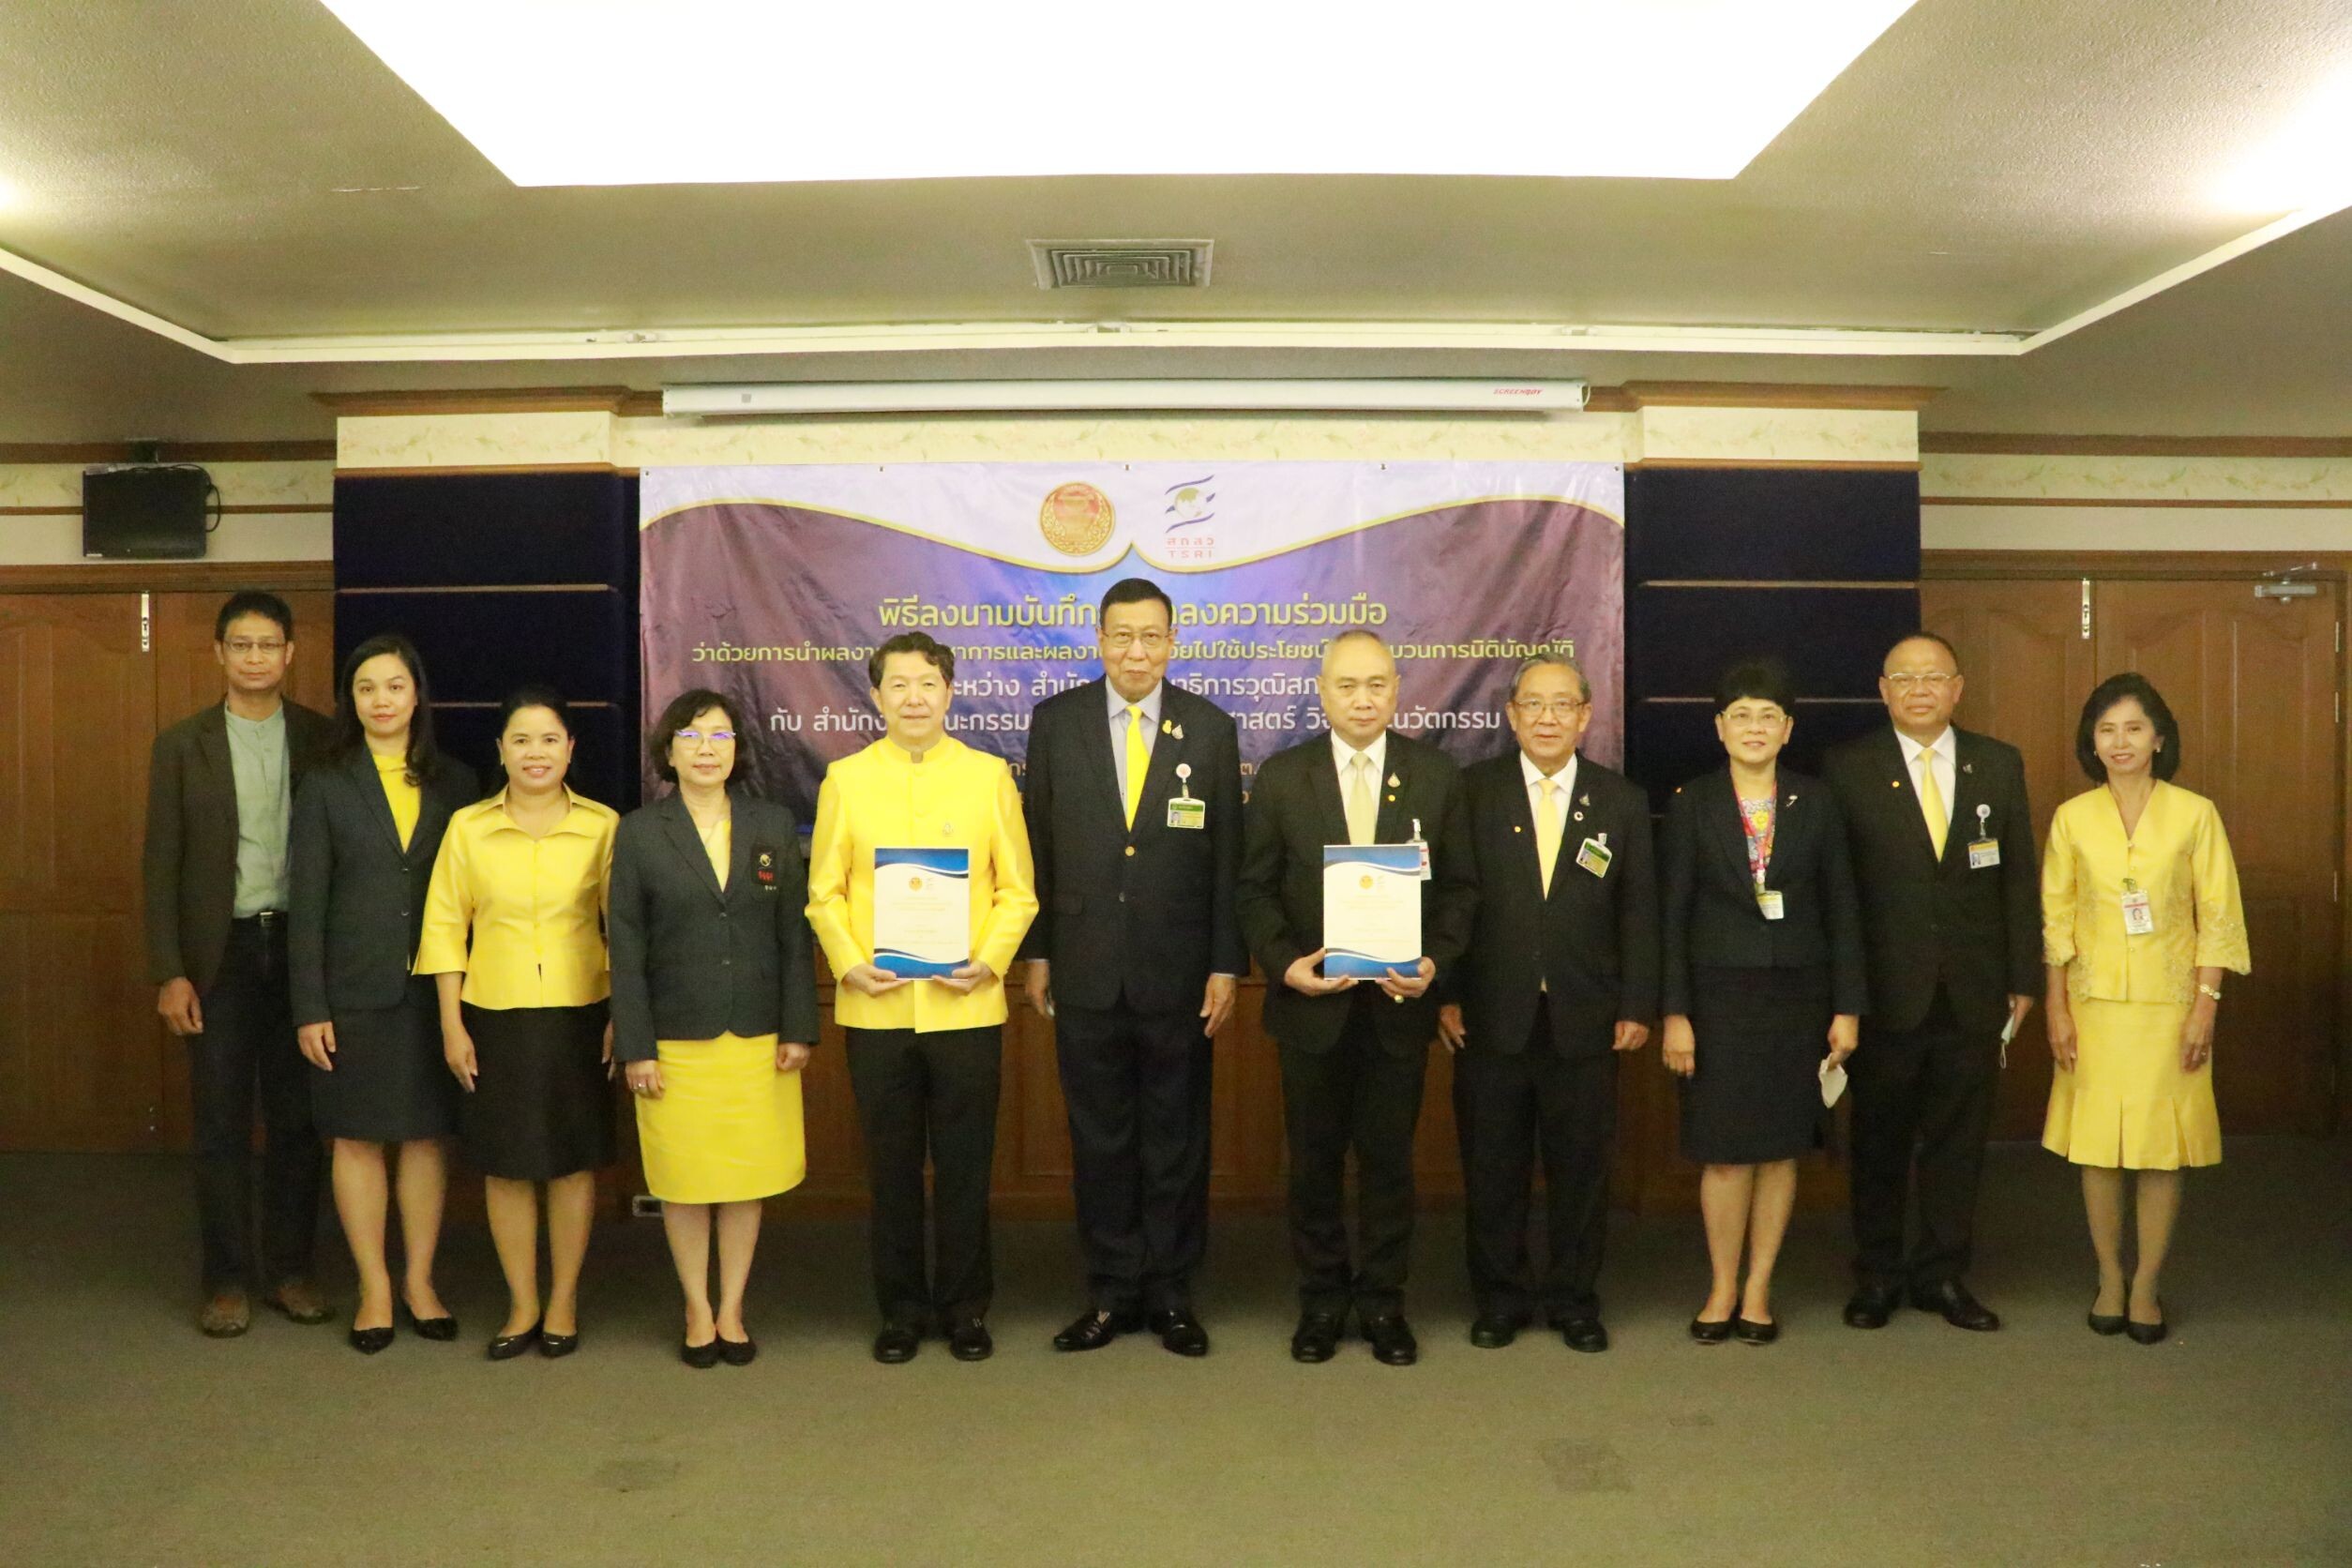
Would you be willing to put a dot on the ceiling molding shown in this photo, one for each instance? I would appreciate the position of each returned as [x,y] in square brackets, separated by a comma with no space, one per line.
[1761,394]
[507,399]
[1991,444]
[169,451]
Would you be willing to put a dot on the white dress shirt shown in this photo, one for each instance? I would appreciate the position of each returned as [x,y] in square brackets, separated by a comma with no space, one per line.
[1944,757]
[1150,704]
[1565,779]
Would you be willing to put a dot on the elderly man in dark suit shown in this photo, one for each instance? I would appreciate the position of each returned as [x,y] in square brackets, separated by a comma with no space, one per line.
[1353,1051]
[1133,796]
[1943,859]
[220,807]
[1560,975]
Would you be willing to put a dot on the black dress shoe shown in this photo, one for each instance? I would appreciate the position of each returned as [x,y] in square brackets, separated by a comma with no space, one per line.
[701,1357]
[1179,1332]
[368,1341]
[1492,1330]
[507,1347]
[1583,1333]
[443,1328]
[1872,1306]
[897,1344]
[1316,1337]
[2103,1322]
[1393,1341]
[556,1346]
[1091,1331]
[1711,1334]
[1748,1331]
[737,1353]
[968,1341]
[2147,1334]
[1951,1298]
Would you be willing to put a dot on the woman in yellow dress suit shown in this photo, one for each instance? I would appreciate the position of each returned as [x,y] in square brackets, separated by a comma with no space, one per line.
[714,1007]
[924,1053]
[2140,916]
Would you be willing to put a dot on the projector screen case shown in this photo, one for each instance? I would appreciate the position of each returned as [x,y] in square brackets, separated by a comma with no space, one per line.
[146,511]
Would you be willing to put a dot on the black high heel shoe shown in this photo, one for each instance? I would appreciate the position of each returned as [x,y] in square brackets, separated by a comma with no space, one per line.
[507,1347]
[443,1328]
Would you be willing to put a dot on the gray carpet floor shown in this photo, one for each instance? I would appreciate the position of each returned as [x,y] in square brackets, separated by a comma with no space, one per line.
[125,1437]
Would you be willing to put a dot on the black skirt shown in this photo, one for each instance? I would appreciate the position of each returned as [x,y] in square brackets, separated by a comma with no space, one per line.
[390,1084]
[1756,1095]
[541,1106]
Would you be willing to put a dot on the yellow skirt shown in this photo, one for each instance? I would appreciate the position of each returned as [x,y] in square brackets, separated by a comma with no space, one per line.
[728,1125]
[2127,1102]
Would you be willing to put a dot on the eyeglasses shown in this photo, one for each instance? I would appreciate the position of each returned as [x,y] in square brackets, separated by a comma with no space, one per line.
[1120,641]
[695,737]
[1754,718]
[243,645]
[1903,681]
[1559,707]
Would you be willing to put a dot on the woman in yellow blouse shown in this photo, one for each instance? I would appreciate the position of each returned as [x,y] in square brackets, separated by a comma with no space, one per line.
[923,1053]
[2140,917]
[522,1012]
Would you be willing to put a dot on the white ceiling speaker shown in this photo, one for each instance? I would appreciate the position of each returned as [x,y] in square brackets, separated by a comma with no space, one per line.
[1403,394]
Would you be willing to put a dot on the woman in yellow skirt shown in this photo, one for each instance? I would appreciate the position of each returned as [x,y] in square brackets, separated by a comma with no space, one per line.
[714,1007]
[2140,917]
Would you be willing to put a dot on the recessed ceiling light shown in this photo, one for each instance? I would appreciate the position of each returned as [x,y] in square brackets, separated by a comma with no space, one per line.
[2302,163]
[665,92]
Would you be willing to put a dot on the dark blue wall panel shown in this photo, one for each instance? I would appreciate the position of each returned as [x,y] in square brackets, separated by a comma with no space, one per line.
[1772,524]
[1830,639]
[471,530]
[477,647]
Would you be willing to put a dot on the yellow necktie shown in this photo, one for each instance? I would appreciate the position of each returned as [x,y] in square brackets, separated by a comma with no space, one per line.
[1547,834]
[1363,815]
[1931,801]
[1138,760]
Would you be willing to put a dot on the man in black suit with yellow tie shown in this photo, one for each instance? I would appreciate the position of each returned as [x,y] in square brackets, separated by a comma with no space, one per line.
[1943,859]
[1560,975]
[1132,797]
[1353,1053]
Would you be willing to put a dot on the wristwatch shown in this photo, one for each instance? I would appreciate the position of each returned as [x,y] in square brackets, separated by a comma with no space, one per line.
[2204,990]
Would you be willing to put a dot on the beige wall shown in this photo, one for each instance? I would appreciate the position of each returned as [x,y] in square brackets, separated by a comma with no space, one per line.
[41,512]
[1971,501]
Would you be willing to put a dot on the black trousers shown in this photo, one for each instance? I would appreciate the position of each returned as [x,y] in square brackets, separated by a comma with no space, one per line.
[248,1044]
[928,1096]
[1357,1097]
[1924,1093]
[1507,1105]
[1137,1085]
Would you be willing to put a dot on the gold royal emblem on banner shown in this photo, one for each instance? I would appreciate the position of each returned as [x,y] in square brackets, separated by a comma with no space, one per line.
[1075,518]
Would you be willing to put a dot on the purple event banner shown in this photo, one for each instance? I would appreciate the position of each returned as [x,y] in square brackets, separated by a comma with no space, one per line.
[773,584]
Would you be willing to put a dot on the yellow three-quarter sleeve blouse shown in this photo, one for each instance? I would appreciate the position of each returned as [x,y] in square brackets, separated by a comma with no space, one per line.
[882,798]
[2179,855]
[534,906]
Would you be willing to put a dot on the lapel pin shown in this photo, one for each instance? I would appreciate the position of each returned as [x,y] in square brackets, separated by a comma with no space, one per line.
[1790,801]
[1968,767]
[1894,783]
[1167,727]
[1179,732]
[1578,816]
[1395,783]
[1584,800]
[1514,828]
[1391,799]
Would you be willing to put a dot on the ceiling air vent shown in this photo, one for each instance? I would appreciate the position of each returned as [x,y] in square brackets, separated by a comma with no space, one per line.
[1120,263]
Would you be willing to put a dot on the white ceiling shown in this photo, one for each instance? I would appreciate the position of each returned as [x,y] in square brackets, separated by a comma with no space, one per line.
[249,172]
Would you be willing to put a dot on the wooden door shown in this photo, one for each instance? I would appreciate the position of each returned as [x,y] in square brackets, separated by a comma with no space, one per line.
[80,1042]
[2251,683]
[2027,667]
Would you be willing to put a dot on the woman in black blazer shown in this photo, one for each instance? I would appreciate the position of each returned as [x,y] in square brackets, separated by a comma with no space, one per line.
[367,825]
[1763,961]
[713,1007]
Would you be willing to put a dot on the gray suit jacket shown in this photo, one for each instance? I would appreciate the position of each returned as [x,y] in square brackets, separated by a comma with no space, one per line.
[358,896]
[190,864]
[690,963]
